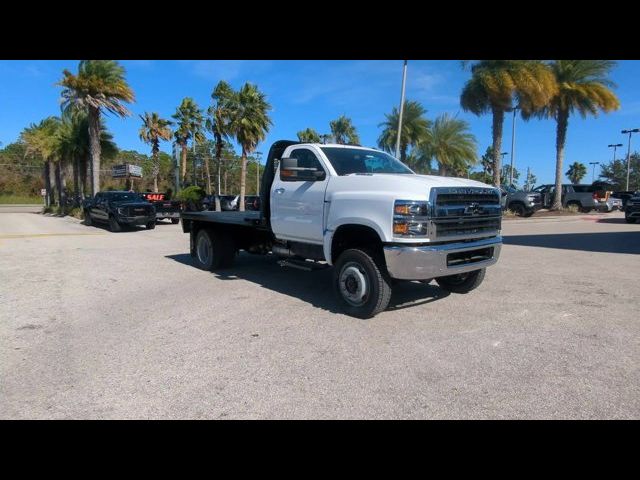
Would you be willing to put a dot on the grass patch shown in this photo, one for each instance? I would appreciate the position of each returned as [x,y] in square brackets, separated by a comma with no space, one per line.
[20,199]
[66,211]
[508,213]
[572,209]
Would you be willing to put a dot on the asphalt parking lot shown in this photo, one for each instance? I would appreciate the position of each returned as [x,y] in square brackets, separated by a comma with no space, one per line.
[121,325]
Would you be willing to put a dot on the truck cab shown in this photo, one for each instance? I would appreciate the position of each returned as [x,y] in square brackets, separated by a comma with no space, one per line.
[366,214]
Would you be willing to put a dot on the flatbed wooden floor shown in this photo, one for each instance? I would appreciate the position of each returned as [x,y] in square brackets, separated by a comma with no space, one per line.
[248,218]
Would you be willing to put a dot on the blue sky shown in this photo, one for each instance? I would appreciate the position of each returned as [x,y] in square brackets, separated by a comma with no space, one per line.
[313,92]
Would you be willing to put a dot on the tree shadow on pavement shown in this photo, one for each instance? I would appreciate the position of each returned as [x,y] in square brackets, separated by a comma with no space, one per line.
[312,287]
[605,242]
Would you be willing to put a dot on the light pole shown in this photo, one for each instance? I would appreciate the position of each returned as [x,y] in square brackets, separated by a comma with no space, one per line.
[258,155]
[615,146]
[404,81]
[513,143]
[635,130]
[593,174]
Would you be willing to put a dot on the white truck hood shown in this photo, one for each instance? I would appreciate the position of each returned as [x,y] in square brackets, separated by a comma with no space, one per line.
[404,186]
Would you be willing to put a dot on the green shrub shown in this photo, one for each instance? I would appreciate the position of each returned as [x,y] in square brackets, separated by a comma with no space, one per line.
[48,209]
[191,194]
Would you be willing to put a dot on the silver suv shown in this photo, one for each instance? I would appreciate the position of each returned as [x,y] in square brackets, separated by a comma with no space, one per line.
[523,204]
[585,197]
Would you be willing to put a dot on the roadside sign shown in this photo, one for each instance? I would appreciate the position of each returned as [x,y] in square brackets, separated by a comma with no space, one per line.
[43,192]
[135,170]
[126,170]
[119,171]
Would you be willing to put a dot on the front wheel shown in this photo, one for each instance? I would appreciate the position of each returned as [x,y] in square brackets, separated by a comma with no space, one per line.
[175,220]
[518,209]
[361,283]
[114,226]
[87,218]
[151,225]
[630,219]
[462,282]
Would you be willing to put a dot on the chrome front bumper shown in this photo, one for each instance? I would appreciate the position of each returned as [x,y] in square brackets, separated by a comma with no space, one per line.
[431,261]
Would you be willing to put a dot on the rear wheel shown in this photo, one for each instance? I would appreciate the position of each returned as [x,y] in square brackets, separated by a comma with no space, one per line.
[114,226]
[361,283]
[630,219]
[214,250]
[151,225]
[462,282]
[87,218]
[175,220]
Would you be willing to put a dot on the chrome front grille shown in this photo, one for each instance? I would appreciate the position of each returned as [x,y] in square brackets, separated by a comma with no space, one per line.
[465,212]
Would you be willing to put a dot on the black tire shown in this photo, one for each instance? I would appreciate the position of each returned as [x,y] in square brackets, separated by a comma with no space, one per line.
[518,208]
[114,226]
[88,221]
[175,220]
[630,219]
[528,213]
[214,250]
[360,272]
[151,225]
[463,282]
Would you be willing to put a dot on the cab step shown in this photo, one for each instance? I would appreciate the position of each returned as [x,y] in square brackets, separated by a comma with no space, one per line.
[303,265]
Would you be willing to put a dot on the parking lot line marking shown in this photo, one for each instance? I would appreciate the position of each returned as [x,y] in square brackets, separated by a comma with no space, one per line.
[35,235]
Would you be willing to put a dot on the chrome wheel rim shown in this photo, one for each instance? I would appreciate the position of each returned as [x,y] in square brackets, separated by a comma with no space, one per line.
[203,249]
[354,284]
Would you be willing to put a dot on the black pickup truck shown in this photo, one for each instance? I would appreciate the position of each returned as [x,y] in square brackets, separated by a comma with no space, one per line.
[118,209]
[165,207]
[632,209]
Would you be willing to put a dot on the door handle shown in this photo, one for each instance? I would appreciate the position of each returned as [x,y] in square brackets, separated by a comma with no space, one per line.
[279,190]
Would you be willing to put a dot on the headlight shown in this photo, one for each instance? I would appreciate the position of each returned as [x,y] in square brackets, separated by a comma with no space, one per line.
[410,218]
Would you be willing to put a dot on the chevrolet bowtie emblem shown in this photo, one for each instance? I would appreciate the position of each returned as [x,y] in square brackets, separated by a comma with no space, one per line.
[472,209]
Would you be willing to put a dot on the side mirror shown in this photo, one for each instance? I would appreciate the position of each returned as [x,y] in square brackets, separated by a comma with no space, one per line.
[291,172]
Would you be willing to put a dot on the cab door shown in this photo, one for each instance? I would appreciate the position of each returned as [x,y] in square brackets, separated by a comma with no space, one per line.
[297,207]
[94,208]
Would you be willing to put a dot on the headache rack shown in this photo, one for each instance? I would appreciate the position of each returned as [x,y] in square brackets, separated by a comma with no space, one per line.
[464,213]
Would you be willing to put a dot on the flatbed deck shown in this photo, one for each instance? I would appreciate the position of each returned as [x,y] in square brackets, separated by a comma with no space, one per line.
[247,218]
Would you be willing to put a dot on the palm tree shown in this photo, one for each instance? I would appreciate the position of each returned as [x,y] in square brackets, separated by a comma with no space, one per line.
[152,131]
[219,123]
[577,171]
[100,85]
[415,128]
[583,86]
[493,87]
[75,145]
[41,141]
[250,124]
[343,131]
[452,145]
[308,135]
[189,126]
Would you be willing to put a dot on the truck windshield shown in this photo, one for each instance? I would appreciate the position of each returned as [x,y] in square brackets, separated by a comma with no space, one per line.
[346,161]
[125,197]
